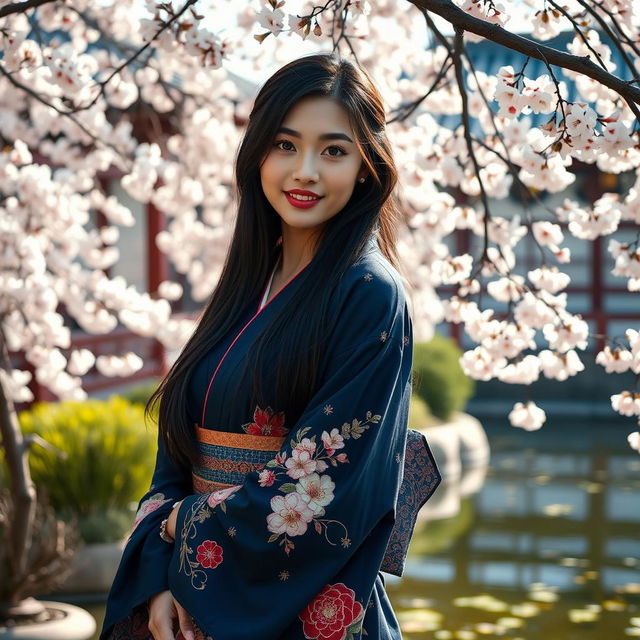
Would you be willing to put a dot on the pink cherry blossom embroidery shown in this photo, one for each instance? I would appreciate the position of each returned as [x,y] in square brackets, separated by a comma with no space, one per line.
[290,516]
[301,463]
[331,613]
[219,496]
[209,554]
[311,490]
[316,491]
[306,444]
[332,441]
[149,506]
[266,423]
[266,478]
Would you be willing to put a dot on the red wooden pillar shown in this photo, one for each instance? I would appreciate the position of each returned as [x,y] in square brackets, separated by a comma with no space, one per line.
[597,291]
[157,272]
[462,245]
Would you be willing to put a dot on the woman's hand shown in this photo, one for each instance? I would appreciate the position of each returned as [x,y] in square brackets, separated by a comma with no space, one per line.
[163,610]
[171,521]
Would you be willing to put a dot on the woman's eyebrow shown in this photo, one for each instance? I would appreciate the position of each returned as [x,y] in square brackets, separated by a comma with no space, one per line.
[323,136]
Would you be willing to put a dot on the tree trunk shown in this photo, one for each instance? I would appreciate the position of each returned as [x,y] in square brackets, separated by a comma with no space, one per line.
[23,490]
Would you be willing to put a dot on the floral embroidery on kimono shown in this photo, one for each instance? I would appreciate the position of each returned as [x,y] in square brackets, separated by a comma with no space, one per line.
[218,497]
[266,423]
[334,614]
[305,500]
[209,554]
[149,506]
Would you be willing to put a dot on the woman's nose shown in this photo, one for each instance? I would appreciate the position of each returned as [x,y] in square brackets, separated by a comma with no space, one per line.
[306,169]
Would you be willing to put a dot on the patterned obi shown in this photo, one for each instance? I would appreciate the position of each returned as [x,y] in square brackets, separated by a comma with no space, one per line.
[226,458]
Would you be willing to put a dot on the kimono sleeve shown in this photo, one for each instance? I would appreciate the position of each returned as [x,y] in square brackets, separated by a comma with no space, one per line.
[142,571]
[251,560]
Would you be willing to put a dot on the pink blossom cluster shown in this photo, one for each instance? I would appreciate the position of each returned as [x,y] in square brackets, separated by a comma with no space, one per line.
[170,30]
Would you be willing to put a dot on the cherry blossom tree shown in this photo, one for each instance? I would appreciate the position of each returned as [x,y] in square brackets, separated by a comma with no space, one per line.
[74,74]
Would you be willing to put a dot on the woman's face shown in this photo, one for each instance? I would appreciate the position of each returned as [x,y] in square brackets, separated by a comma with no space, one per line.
[313,157]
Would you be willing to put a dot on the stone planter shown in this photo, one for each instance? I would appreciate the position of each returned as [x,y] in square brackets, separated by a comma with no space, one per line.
[474,444]
[461,450]
[69,623]
[460,442]
[93,568]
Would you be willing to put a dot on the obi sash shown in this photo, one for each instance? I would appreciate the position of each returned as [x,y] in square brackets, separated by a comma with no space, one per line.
[226,458]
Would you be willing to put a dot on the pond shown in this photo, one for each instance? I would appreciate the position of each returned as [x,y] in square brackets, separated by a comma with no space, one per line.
[543,544]
[547,548]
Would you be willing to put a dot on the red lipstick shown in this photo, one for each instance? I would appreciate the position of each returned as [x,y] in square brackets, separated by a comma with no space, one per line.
[302,204]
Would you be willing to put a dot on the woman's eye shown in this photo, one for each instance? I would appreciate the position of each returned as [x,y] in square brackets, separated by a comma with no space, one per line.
[283,142]
[342,151]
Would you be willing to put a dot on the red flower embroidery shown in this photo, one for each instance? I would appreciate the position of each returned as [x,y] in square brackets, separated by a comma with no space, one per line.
[266,423]
[330,613]
[209,554]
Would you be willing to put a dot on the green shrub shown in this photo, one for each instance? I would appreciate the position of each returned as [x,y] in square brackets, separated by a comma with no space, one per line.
[110,525]
[438,378]
[419,414]
[109,463]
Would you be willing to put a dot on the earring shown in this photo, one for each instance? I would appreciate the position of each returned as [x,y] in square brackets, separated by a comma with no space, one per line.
[360,179]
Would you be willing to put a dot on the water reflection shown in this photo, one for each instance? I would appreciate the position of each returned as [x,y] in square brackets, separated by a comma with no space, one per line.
[544,543]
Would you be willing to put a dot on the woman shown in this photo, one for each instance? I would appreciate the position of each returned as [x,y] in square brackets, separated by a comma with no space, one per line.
[283,422]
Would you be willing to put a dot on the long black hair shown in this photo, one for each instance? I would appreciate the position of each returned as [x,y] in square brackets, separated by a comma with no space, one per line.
[304,324]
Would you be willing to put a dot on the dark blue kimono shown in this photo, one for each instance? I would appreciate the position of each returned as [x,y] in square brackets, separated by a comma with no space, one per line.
[283,528]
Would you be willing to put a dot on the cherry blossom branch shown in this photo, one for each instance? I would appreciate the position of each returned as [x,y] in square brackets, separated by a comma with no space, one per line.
[579,32]
[584,65]
[456,52]
[506,159]
[412,106]
[612,36]
[559,103]
[466,125]
[444,41]
[134,56]
[21,7]
[126,50]
[67,114]
[333,29]
[513,169]
[343,35]
[618,27]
